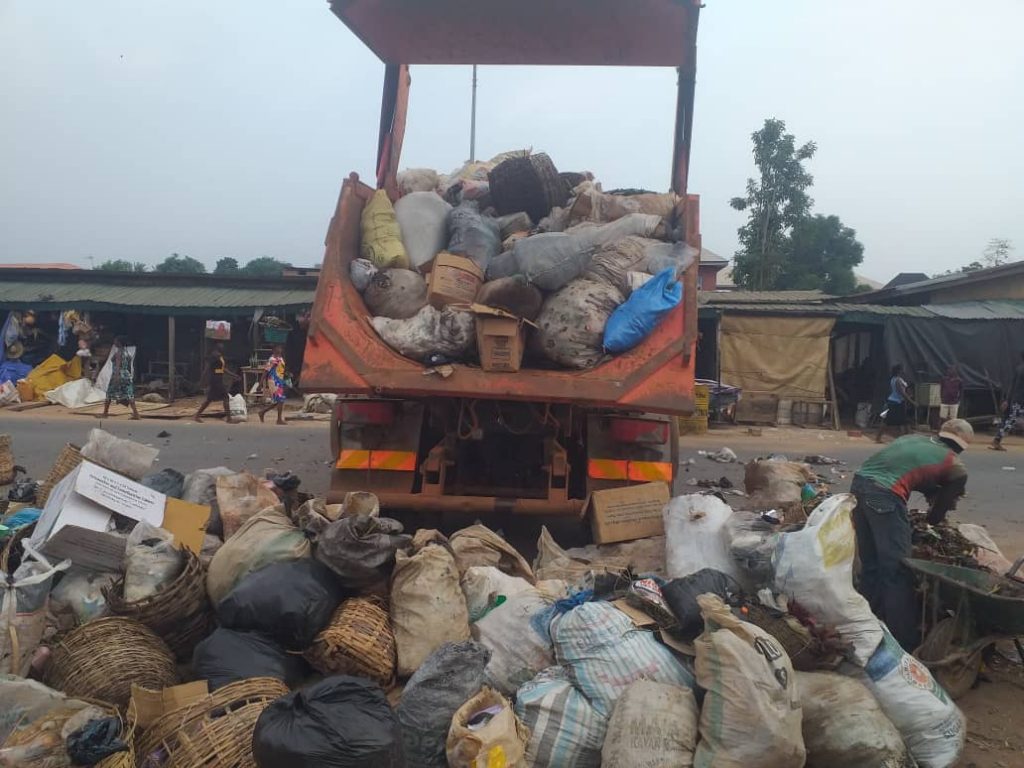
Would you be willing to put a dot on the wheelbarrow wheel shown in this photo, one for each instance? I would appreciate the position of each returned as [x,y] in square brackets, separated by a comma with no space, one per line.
[955,667]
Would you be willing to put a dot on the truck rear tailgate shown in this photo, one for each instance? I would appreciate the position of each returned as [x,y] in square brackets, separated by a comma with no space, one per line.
[344,354]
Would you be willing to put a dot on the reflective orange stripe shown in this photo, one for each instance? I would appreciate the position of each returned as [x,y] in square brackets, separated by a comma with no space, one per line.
[353,460]
[649,471]
[394,461]
[608,469]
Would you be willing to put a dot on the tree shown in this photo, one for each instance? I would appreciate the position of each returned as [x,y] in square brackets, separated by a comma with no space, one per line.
[176,263]
[776,202]
[226,266]
[997,252]
[820,254]
[264,266]
[121,265]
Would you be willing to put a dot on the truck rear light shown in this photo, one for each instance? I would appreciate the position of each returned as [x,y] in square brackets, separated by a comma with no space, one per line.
[635,471]
[388,461]
[639,431]
[367,412]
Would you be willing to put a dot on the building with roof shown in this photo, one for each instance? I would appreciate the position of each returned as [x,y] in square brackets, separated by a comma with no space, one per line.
[710,266]
[165,315]
[994,283]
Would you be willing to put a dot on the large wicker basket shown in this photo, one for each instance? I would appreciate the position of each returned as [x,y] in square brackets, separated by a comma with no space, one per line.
[357,641]
[6,461]
[179,613]
[529,184]
[213,732]
[70,456]
[103,658]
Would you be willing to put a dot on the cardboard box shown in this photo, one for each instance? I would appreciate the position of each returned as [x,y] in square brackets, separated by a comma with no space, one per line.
[632,512]
[500,338]
[152,705]
[77,522]
[453,280]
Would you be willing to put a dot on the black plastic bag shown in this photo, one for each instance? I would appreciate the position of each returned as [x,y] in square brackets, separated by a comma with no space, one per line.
[95,740]
[340,722]
[361,549]
[681,596]
[290,601]
[169,482]
[227,656]
[449,677]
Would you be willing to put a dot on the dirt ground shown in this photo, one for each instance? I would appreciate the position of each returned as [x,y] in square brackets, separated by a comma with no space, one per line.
[995,714]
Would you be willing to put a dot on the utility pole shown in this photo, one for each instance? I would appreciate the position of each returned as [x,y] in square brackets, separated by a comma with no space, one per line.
[472,122]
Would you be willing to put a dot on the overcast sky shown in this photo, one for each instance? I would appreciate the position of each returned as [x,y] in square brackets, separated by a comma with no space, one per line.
[135,129]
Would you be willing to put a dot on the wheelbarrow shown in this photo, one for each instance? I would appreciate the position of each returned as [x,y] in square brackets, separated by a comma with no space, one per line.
[963,613]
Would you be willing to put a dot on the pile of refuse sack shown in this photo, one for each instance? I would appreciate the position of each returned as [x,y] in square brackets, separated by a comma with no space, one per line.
[510,257]
[215,618]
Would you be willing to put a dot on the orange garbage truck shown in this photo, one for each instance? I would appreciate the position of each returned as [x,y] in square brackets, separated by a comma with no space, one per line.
[461,439]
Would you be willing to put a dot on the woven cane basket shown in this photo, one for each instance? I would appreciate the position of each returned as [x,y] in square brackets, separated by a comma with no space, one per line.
[529,184]
[6,460]
[103,658]
[357,641]
[70,456]
[214,731]
[180,612]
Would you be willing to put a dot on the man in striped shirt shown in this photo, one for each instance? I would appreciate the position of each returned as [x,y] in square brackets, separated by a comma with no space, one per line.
[883,486]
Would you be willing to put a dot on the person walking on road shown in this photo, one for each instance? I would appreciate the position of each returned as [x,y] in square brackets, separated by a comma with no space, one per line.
[1013,409]
[882,487]
[275,385]
[951,388]
[896,404]
[121,387]
[213,374]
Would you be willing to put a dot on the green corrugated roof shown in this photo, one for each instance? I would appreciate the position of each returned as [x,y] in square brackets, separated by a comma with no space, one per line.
[814,308]
[149,294]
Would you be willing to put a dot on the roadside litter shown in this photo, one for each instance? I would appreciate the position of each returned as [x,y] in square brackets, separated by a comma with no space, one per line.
[327,635]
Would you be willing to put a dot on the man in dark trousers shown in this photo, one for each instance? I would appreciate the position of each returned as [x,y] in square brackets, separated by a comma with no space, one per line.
[883,486]
[1013,409]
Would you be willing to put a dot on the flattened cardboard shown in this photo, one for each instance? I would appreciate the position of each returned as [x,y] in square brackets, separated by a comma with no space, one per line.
[640,619]
[625,514]
[453,280]
[152,705]
[78,515]
[187,522]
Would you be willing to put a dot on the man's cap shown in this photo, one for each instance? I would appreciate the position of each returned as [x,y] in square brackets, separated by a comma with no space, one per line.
[959,431]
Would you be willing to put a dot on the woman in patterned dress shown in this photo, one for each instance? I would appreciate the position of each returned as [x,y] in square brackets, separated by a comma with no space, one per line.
[121,388]
[274,385]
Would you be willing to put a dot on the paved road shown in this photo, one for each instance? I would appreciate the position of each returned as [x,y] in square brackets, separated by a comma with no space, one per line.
[995,498]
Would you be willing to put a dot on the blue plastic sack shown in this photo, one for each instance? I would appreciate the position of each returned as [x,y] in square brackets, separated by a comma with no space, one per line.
[633,321]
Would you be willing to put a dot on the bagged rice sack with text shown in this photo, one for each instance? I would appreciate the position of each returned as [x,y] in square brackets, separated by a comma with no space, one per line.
[654,725]
[751,716]
[930,723]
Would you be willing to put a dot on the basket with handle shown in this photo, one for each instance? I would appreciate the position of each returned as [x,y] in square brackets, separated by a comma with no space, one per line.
[214,731]
[179,612]
[356,641]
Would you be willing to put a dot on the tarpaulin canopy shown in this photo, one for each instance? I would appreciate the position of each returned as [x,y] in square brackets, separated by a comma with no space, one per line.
[986,351]
[784,356]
